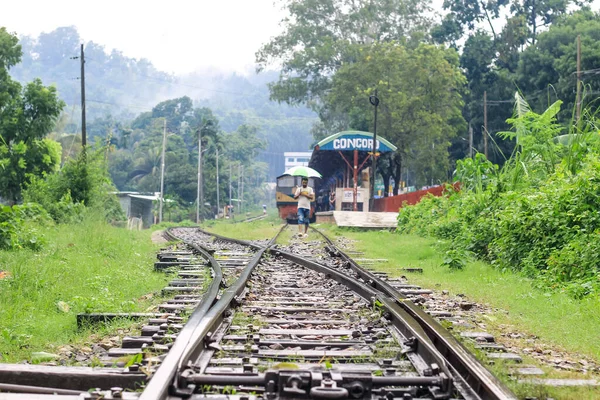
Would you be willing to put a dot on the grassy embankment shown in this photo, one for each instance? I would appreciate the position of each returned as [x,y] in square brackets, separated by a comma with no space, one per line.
[555,318]
[89,267]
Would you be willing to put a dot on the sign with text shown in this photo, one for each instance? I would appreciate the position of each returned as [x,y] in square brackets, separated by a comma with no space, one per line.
[354,140]
[349,196]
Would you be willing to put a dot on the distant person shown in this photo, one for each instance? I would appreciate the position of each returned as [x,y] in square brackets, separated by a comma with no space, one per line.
[305,194]
[332,201]
[264,209]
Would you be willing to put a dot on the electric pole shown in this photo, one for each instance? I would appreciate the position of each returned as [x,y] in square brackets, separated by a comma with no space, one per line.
[242,196]
[199,198]
[83,130]
[485,125]
[218,204]
[162,172]
[230,185]
[374,100]
[578,78]
[239,187]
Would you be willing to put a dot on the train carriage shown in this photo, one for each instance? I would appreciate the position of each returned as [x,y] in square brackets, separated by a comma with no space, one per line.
[286,204]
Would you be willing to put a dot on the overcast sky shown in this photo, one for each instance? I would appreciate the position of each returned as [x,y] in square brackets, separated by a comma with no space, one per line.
[177,36]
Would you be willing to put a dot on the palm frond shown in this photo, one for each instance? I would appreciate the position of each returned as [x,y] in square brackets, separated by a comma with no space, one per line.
[521,106]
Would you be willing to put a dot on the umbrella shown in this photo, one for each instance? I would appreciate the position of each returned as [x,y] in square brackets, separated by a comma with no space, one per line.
[303,171]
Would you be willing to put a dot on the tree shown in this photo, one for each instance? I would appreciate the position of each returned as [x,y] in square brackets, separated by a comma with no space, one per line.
[420,103]
[320,36]
[27,115]
[542,13]
[547,70]
[478,60]
[468,14]
[244,144]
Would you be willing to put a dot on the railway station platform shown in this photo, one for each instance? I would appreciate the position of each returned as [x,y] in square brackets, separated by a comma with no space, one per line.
[380,220]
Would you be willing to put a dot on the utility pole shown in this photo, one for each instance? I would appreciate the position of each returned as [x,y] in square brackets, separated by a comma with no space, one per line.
[578,78]
[485,125]
[242,195]
[199,198]
[162,172]
[83,127]
[218,203]
[239,187]
[432,161]
[230,184]
[470,141]
[374,100]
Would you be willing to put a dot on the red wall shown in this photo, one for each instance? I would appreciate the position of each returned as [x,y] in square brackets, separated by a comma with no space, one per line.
[394,203]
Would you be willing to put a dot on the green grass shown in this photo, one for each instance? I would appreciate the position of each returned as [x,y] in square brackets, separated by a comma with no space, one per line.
[260,229]
[90,267]
[553,317]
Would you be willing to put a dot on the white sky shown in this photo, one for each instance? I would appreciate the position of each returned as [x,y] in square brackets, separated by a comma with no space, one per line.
[176,36]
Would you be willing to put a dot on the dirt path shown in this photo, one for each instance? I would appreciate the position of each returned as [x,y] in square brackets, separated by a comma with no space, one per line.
[158,237]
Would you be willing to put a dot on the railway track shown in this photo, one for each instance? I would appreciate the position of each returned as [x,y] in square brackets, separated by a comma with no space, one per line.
[269,321]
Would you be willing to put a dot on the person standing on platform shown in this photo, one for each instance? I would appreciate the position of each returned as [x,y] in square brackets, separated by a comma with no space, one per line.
[332,201]
[305,194]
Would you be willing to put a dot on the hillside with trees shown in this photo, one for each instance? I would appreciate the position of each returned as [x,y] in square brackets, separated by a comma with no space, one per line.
[119,88]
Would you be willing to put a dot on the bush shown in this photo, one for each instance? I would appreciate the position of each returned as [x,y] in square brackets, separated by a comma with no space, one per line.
[81,183]
[540,215]
[18,226]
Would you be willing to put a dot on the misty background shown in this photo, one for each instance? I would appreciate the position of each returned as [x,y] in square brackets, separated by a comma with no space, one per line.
[119,88]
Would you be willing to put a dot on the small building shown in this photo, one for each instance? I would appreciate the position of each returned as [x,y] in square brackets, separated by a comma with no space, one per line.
[296,159]
[139,205]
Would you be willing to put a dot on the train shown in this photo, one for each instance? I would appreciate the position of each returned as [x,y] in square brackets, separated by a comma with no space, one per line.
[286,204]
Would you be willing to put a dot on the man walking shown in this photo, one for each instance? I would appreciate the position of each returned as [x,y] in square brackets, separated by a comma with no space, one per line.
[305,195]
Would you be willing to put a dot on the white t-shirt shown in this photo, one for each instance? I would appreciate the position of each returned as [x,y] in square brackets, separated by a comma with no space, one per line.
[304,202]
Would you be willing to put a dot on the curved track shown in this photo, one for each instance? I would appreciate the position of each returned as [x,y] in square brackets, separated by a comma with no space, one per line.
[304,322]
[298,329]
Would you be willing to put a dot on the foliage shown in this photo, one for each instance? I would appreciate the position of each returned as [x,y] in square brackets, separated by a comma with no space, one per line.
[454,259]
[81,183]
[118,87]
[534,52]
[476,174]
[90,266]
[548,68]
[537,215]
[419,111]
[26,116]
[320,36]
[19,227]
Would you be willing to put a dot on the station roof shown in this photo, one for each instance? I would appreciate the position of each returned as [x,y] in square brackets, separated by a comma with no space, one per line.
[331,165]
[351,140]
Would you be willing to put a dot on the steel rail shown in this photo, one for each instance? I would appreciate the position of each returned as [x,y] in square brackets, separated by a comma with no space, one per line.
[399,317]
[209,314]
[420,344]
[161,381]
[465,366]
[434,343]
[251,219]
[7,387]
